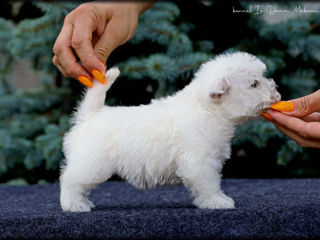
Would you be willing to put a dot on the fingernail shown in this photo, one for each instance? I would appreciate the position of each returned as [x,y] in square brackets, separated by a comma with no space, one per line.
[99,76]
[85,81]
[103,65]
[104,68]
[283,106]
[267,117]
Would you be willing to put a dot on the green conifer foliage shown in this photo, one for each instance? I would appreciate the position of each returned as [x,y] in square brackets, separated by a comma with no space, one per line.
[290,50]
[180,57]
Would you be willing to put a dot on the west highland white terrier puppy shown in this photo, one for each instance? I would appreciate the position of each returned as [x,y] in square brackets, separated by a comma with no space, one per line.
[184,138]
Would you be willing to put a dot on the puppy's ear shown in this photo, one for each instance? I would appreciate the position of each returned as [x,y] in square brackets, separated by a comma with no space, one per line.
[220,88]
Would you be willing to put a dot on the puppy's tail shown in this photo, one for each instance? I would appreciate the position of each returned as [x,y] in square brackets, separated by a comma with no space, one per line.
[94,97]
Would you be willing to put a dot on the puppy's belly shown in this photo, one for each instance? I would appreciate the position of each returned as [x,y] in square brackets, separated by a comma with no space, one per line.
[143,179]
[146,161]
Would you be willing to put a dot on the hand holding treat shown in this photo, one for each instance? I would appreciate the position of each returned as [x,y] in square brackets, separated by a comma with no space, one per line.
[298,119]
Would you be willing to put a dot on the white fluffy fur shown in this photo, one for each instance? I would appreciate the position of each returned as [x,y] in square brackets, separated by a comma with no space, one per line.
[180,138]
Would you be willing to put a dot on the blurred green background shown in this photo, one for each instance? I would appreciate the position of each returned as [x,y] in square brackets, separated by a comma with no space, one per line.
[172,40]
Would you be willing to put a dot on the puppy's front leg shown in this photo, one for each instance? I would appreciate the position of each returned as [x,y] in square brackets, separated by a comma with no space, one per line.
[202,178]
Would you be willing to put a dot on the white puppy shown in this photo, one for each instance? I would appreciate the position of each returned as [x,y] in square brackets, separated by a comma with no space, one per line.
[180,138]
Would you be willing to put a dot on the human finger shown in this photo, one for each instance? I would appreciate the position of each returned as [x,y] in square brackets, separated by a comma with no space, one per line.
[313,117]
[306,104]
[82,44]
[83,79]
[302,141]
[57,63]
[65,58]
[107,42]
[305,129]
[116,33]
[300,107]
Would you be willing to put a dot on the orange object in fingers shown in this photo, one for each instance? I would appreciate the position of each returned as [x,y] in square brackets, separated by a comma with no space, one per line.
[267,117]
[283,106]
[85,81]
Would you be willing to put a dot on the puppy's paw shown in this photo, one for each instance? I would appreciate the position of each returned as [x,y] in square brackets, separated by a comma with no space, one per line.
[216,201]
[79,204]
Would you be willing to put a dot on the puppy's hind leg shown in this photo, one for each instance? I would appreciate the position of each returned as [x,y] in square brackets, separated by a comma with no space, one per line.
[76,183]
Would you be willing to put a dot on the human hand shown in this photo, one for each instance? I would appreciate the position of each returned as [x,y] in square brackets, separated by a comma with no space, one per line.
[299,119]
[91,32]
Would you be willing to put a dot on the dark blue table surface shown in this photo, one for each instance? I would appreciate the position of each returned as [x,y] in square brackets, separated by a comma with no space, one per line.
[265,209]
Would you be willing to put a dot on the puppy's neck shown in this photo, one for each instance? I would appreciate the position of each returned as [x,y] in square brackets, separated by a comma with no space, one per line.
[197,105]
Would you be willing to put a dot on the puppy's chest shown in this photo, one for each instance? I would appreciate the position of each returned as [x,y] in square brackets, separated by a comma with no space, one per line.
[216,142]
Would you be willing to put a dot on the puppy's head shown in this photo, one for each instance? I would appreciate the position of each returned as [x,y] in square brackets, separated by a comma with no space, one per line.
[235,83]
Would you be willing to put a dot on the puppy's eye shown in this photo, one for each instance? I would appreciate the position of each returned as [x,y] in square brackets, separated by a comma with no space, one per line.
[255,84]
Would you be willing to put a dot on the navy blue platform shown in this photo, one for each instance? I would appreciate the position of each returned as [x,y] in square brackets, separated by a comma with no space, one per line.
[265,209]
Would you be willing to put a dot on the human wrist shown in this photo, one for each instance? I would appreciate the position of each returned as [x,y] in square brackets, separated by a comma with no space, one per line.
[142,6]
